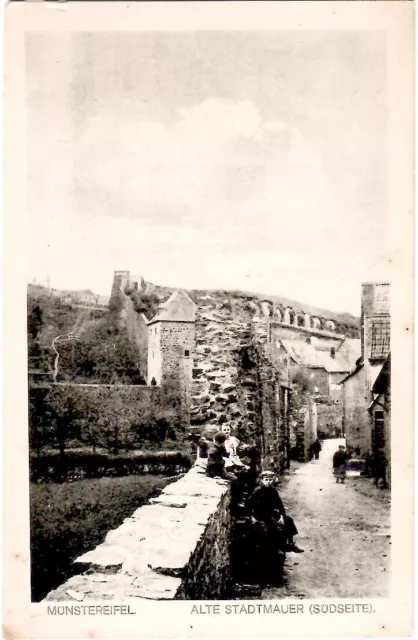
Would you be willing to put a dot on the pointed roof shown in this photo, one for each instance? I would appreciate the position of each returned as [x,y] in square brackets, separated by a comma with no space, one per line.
[178,308]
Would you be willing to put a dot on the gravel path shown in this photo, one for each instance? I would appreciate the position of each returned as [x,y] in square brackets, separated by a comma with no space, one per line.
[345,534]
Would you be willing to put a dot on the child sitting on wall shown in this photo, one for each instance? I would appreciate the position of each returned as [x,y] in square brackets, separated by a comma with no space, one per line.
[202,452]
[216,464]
[231,445]
[266,508]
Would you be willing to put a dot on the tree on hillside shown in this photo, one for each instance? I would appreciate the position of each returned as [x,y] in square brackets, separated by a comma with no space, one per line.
[171,413]
[146,303]
[36,351]
[101,356]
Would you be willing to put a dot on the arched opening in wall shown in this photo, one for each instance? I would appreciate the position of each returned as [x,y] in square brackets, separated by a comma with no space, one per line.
[292,316]
[316,323]
[277,316]
[247,362]
[300,321]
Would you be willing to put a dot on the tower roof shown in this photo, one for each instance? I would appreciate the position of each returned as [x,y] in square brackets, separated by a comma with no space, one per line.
[178,308]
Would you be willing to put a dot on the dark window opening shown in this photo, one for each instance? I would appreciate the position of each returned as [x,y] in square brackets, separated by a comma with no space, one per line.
[379,425]
[187,352]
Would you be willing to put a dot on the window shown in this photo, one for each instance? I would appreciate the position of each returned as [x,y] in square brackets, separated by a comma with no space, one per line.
[380,342]
[378,431]
[187,353]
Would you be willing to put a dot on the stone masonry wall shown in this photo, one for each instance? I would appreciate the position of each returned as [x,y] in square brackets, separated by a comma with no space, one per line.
[167,346]
[137,332]
[177,547]
[208,573]
[220,334]
[176,338]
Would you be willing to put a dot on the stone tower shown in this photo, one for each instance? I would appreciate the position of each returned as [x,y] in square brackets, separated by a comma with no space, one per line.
[120,280]
[171,341]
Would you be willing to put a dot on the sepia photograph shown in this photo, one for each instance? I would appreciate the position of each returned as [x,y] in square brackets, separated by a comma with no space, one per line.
[209,282]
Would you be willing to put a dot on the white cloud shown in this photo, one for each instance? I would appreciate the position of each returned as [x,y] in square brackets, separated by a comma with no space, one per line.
[215,198]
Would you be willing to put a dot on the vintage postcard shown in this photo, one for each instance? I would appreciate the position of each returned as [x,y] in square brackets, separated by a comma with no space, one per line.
[208,286]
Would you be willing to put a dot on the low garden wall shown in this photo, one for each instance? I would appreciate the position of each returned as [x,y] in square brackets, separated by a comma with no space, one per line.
[177,547]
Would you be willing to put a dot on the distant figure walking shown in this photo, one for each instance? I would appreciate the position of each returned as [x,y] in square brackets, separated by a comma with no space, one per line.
[380,464]
[316,449]
[339,463]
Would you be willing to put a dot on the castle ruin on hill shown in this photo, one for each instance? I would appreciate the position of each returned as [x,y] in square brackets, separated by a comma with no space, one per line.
[271,372]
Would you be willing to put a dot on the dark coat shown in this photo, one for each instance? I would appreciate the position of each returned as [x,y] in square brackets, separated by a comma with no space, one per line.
[216,462]
[316,446]
[265,504]
[340,459]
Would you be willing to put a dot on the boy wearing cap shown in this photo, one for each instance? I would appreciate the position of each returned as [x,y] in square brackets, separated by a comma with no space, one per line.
[266,507]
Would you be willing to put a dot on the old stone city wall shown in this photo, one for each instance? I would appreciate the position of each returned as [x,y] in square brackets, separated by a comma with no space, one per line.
[176,547]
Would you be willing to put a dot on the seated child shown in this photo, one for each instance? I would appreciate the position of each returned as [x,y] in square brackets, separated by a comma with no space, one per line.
[266,507]
[231,445]
[215,467]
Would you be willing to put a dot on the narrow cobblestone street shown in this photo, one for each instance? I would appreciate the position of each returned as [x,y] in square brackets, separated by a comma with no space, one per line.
[345,535]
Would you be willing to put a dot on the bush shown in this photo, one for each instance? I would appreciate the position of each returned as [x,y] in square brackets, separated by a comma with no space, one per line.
[302,381]
[82,463]
[146,303]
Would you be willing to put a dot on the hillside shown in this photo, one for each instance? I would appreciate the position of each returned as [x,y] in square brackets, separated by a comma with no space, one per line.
[103,353]
[220,295]
[350,325]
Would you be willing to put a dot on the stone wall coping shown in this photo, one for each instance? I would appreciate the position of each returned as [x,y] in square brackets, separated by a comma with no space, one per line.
[146,556]
[318,332]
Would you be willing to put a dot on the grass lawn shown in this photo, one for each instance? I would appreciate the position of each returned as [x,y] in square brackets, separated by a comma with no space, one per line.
[71,518]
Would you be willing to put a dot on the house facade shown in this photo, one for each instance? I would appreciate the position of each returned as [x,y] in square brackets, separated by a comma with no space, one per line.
[380,415]
[355,422]
[318,368]
[366,389]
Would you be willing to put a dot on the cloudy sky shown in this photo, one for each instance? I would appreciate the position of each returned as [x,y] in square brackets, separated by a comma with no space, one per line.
[250,161]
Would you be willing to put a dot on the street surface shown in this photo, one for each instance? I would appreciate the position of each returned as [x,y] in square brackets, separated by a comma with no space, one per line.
[345,534]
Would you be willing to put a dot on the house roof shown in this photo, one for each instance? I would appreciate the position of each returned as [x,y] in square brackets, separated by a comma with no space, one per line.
[350,348]
[178,308]
[357,368]
[381,381]
[307,355]
[374,372]
[301,352]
